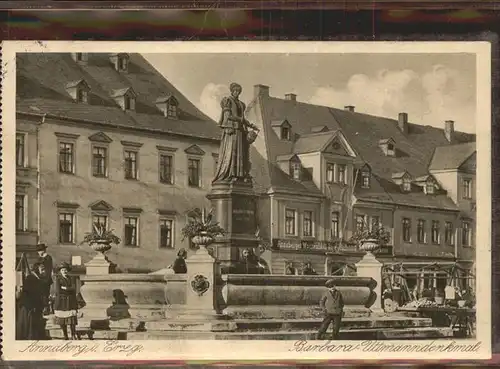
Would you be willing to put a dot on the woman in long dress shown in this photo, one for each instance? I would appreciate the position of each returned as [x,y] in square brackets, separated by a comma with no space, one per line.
[65,305]
[30,324]
[234,154]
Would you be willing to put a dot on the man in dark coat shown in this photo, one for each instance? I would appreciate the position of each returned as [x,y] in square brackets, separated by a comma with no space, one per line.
[332,305]
[47,262]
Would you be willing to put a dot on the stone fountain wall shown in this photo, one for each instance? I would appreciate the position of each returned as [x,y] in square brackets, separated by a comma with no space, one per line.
[277,296]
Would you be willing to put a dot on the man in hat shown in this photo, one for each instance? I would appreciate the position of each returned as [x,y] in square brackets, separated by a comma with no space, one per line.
[332,305]
[47,262]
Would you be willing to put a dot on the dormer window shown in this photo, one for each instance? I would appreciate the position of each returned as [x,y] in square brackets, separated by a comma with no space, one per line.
[365,179]
[388,146]
[80,58]
[295,170]
[429,188]
[123,63]
[168,105]
[125,97]
[406,184]
[390,149]
[283,129]
[79,91]
[404,179]
[81,96]
[120,61]
[285,133]
[128,102]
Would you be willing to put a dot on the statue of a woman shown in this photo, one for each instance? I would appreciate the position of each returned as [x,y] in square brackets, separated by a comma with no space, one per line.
[237,136]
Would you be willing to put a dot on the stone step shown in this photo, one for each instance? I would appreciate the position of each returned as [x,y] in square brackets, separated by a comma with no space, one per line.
[347,323]
[379,322]
[350,334]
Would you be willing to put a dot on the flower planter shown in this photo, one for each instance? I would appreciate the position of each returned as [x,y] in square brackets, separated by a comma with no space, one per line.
[369,245]
[101,246]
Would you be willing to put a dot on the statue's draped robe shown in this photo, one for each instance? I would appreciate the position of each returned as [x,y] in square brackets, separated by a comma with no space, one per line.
[234,148]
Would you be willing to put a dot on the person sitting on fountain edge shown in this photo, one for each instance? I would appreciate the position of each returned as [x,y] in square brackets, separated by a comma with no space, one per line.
[179,266]
[332,305]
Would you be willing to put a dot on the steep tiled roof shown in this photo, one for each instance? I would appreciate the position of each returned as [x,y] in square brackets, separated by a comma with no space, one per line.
[41,88]
[451,156]
[364,132]
[312,142]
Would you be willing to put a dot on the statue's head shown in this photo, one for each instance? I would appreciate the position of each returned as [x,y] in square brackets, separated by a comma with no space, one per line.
[235,89]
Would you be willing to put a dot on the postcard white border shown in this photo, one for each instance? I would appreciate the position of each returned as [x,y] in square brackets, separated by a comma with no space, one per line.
[249,350]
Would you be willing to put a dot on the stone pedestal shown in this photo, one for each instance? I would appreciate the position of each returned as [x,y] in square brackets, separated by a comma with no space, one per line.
[236,210]
[99,265]
[202,311]
[201,283]
[370,267]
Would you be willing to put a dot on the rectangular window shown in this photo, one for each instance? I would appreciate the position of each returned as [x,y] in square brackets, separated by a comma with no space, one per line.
[285,133]
[171,111]
[295,170]
[360,223]
[81,95]
[79,56]
[131,228]
[130,165]
[335,225]
[421,236]
[429,188]
[20,149]
[308,224]
[330,170]
[166,174]
[290,222]
[406,185]
[20,213]
[99,159]
[66,155]
[436,232]
[406,225]
[466,234]
[122,63]
[467,189]
[390,150]
[449,233]
[365,179]
[166,233]
[341,175]
[100,221]
[194,172]
[66,226]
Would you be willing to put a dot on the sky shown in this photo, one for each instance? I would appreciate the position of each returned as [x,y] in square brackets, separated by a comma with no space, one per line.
[431,88]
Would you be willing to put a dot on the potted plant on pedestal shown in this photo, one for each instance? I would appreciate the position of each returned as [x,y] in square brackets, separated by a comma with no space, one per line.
[372,239]
[202,229]
[101,240]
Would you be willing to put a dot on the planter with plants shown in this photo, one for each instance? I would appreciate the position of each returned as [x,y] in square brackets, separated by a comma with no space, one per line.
[101,239]
[202,229]
[372,239]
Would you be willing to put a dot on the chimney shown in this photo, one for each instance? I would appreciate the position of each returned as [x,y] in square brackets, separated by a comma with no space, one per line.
[291,97]
[449,130]
[349,108]
[261,90]
[403,122]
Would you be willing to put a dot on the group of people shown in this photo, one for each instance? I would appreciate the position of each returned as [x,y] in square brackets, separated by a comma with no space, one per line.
[44,291]
[307,270]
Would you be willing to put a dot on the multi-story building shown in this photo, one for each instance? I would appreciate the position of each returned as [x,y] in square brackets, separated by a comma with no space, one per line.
[324,173]
[104,138]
